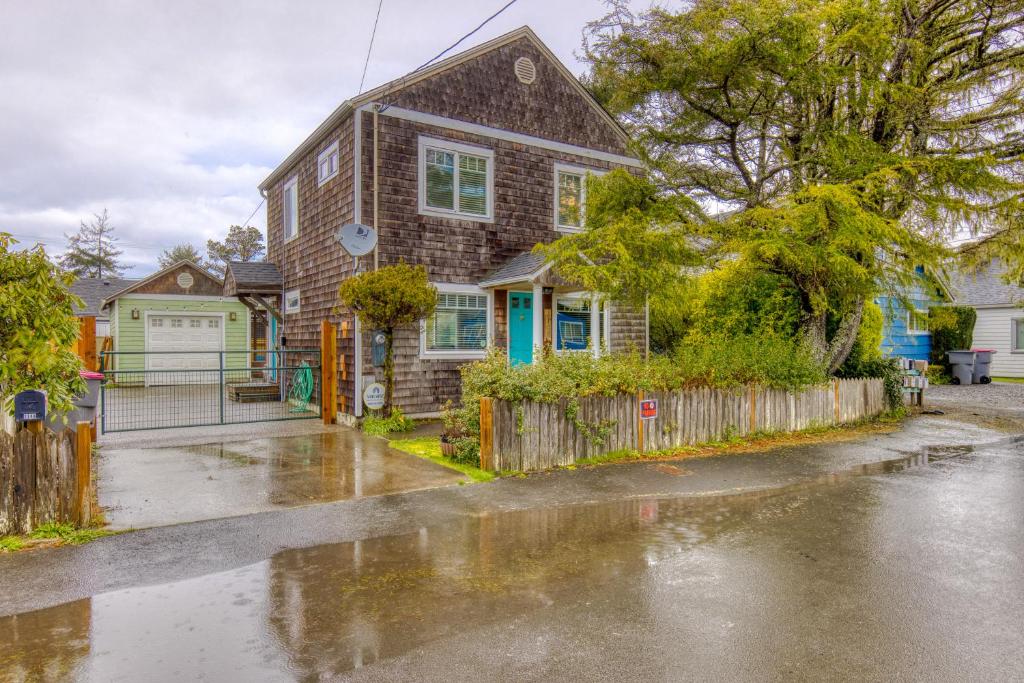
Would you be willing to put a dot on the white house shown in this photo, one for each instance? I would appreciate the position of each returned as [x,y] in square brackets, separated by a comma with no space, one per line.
[1000,324]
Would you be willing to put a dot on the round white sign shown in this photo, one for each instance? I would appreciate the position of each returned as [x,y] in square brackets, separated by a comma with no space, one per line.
[185,280]
[357,239]
[373,396]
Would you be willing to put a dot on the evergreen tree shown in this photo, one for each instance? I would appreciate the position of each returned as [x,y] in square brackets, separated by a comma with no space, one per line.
[850,140]
[92,252]
[180,252]
[241,244]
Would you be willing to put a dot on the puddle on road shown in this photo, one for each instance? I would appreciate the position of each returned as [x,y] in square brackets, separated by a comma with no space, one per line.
[316,612]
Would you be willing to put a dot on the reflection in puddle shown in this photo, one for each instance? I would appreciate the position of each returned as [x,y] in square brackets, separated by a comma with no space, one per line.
[315,612]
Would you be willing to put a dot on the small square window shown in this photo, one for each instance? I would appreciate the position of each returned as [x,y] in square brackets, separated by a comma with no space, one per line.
[177,322]
[213,323]
[328,163]
[195,323]
[156,322]
[292,301]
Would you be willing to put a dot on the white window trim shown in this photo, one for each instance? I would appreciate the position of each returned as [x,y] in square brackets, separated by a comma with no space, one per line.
[287,295]
[923,313]
[574,170]
[292,182]
[333,149]
[448,288]
[1014,323]
[604,335]
[456,148]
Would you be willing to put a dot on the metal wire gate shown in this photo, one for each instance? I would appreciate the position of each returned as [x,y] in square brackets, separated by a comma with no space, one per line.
[158,389]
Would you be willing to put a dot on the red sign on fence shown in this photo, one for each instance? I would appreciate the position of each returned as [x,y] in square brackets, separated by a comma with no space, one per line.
[649,409]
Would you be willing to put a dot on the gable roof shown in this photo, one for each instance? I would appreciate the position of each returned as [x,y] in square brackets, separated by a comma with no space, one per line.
[350,105]
[92,291]
[985,287]
[137,284]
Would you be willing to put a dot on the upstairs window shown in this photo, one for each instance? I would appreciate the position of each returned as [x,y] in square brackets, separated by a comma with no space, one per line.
[570,197]
[327,164]
[290,208]
[458,325]
[456,179]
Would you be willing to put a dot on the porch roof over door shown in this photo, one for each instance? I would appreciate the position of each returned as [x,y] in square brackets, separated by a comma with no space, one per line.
[527,267]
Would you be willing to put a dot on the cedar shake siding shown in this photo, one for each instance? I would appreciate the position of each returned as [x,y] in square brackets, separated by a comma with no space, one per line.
[312,261]
[485,90]
[481,91]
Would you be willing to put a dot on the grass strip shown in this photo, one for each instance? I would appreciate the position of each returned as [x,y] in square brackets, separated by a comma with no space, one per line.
[429,448]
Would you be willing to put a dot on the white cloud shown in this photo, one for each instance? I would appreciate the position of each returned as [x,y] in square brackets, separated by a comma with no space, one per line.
[169,114]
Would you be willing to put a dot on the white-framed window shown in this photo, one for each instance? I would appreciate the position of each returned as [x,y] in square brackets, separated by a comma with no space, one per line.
[213,323]
[456,179]
[460,325]
[195,323]
[156,322]
[328,163]
[917,322]
[290,208]
[177,322]
[292,301]
[1017,335]
[571,197]
[574,325]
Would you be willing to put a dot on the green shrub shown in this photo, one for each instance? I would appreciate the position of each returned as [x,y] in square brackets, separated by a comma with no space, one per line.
[952,328]
[719,362]
[378,425]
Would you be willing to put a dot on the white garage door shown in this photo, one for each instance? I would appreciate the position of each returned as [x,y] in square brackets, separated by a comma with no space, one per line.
[168,335]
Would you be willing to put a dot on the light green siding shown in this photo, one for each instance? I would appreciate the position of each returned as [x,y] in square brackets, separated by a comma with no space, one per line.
[130,335]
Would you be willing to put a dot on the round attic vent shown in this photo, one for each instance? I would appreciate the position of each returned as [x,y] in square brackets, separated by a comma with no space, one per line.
[185,280]
[526,72]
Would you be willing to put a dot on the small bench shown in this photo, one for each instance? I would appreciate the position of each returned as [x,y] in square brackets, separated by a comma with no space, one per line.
[254,392]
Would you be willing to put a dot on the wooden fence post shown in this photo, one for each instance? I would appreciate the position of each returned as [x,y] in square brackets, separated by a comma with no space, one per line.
[753,409]
[486,435]
[328,372]
[639,423]
[835,391]
[83,473]
[87,342]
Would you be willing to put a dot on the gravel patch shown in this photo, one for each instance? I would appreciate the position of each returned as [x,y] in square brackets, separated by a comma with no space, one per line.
[997,396]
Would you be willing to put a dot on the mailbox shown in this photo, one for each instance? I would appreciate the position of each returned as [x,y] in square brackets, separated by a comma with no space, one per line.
[378,348]
[30,406]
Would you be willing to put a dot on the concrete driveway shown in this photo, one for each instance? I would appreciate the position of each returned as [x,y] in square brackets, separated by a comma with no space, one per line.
[144,486]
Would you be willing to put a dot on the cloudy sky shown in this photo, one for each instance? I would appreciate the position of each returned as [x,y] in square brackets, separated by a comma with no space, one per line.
[169,114]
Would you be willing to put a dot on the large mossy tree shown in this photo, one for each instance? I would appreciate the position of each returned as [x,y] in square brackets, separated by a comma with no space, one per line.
[842,143]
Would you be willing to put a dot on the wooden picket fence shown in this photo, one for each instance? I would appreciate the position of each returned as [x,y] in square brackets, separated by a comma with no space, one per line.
[45,477]
[531,436]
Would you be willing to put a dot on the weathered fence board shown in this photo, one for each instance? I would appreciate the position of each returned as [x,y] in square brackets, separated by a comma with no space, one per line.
[39,480]
[535,436]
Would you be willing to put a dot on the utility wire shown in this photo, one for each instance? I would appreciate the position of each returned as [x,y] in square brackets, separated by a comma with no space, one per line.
[370,49]
[262,202]
[460,40]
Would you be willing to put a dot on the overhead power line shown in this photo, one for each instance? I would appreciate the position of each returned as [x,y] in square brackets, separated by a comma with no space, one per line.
[463,38]
[369,50]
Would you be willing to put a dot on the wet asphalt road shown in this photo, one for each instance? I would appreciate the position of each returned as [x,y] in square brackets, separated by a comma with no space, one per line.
[908,569]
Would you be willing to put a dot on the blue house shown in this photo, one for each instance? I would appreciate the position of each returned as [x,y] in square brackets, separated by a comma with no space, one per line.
[904,330]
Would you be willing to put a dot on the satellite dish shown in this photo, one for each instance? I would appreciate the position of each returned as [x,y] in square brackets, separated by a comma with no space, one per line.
[357,239]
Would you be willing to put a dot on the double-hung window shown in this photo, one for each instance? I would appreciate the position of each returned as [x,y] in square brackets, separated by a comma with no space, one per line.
[456,179]
[327,164]
[574,329]
[570,197]
[459,325]
[290,208]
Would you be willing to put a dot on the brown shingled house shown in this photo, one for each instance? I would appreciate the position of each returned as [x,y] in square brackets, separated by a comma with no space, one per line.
[476,159]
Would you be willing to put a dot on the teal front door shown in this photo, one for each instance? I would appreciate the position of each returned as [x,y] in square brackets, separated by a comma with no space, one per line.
[520,327]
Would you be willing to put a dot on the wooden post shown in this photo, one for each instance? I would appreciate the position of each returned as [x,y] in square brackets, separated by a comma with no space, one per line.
[328,372]
[835,391]
[753,409]
[87,342]
[639,423]
[486,434]
[83,473]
